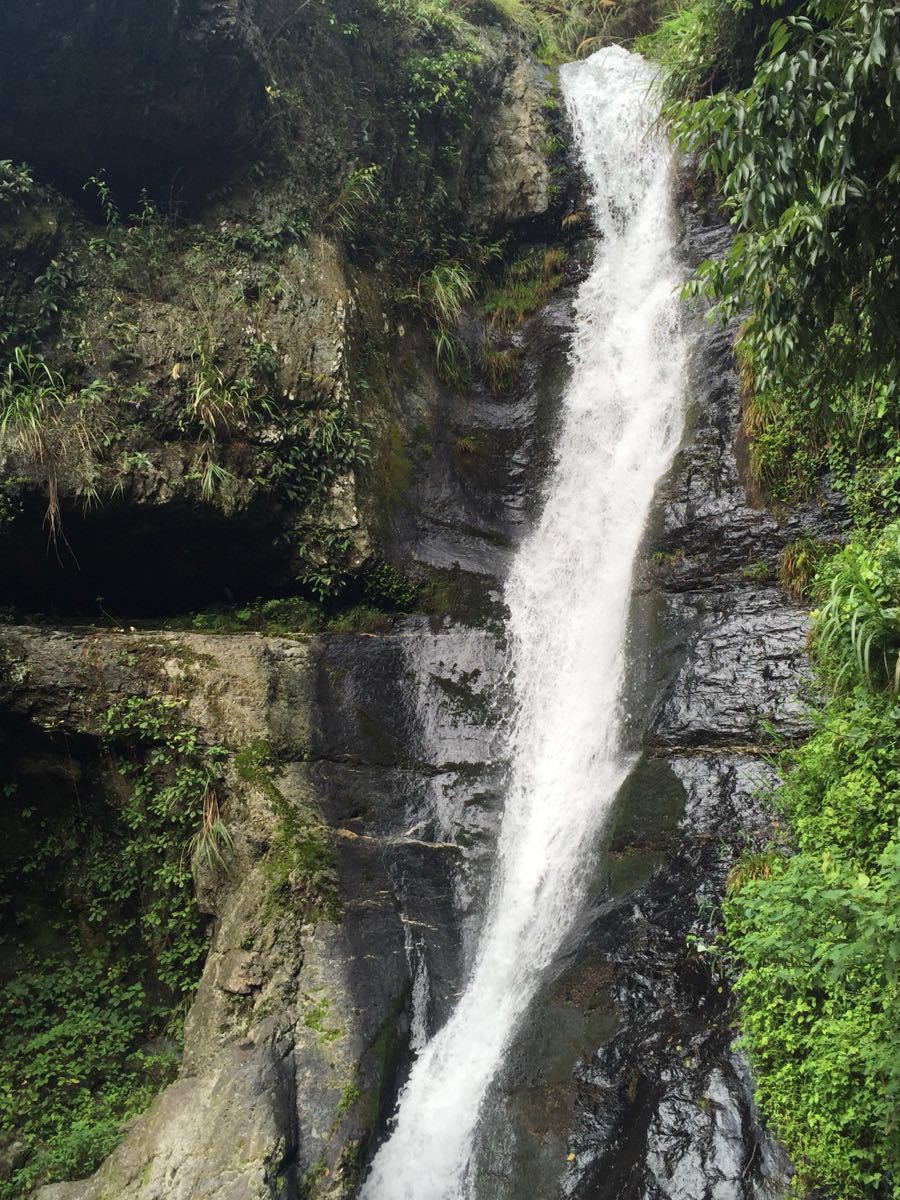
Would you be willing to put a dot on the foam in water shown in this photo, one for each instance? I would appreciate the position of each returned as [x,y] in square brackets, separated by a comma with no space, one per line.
[568,597]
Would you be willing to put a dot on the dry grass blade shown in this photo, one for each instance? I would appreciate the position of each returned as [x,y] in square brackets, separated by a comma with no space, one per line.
[212,844]
[49,425]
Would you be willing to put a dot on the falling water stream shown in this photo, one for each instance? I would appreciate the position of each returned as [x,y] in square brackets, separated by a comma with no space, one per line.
[568,596]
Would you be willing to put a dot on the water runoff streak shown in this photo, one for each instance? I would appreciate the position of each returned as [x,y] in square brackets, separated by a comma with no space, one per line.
[568,597]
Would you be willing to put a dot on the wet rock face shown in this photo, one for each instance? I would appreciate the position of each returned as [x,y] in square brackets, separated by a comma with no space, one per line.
[514,178]
[160,94]
[301,1014]
[661,1107]
[624,1083]
[724,689]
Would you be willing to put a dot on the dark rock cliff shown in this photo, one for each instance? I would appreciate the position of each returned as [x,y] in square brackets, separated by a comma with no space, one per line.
[165,95]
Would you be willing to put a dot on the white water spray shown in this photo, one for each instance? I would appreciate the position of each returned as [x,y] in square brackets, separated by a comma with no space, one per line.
[568,596]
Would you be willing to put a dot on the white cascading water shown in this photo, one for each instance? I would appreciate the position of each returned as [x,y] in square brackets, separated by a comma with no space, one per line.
[568,597]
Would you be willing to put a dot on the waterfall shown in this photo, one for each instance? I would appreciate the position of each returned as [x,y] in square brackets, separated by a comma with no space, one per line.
[568,597]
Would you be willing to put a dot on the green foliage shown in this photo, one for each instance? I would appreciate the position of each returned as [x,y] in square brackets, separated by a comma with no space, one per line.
[707,46]
[802,144]
[299,864]
[319,444]
[859,624]
[16,182]
[99,185]
[385,590]
[53,427]
[350,1093]
[440,86]
[798,565]
[325,554]
[556,33]
[805,157]
[27,315]
[560,33]
[443,291]
[358,192]
[816,933]
[442,294]
[500,365]
[359,618]
[385,586]
[527,284]
[317,1016]
[852,430]
[214,404]
[100,927]
[802,149]
[273,618]
[817,940]
[172,776]
[758,572]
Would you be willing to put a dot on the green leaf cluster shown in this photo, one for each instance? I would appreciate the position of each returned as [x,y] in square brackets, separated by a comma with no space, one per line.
[815,935]
[806,159]
[16,182]
[817,941]
[801,144]
[858,625]
[104,942]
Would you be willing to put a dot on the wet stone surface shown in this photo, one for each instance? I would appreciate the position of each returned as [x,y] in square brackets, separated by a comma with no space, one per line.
[624,1084]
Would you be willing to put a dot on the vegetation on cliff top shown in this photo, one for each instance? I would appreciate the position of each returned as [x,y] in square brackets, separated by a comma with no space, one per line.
[789,108]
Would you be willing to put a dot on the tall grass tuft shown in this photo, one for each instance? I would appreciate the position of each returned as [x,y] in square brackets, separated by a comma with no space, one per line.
[52,426]
[359,191]
[858,626]
[798,565]
[527,284]
[444,290]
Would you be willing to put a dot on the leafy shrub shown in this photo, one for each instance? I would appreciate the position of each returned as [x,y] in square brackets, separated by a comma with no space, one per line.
[386,587]
[817,941]
[859,623]
[123,949]
[805,159]
[441,85]
[15,183]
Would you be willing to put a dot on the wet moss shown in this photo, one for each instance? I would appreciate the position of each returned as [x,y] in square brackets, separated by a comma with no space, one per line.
[299,866]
